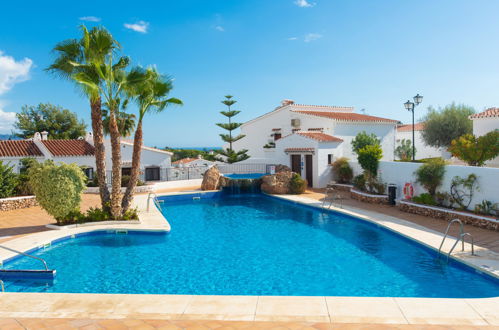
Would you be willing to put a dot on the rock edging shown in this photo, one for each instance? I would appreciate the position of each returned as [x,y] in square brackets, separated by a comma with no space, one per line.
[448,214]
[14,203]
[368,198]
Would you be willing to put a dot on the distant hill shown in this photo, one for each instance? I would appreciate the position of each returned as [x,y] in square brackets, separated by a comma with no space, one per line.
[9,137]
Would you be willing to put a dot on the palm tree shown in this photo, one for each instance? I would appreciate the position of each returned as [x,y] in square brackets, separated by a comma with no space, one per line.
[126,121]
[151,95]
[83,58]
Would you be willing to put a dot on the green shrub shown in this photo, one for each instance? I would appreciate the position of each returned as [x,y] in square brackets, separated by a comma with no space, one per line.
[359,182]
[8,180]
[342,170]
[462,190]
[23,187]
[487,207]
[97,214]
[57,188]
[431,174]
[375,185]
[369,157]
[131,214]
[297,185]
[424,198]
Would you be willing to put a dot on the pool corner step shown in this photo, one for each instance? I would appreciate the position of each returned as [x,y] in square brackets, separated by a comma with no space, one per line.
[27,274]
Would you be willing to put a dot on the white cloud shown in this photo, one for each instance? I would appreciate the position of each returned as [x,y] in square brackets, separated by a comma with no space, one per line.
[292,38]
[219,28]
[12,71]
[90,19]
[312,36]
[7,120]
[304,3]
[140,26]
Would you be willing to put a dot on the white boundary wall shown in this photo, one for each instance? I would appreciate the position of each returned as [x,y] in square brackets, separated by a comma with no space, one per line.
[401,172]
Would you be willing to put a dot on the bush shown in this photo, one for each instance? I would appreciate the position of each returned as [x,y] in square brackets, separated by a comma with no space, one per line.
[8,180]
[23,187]
[375,186]
[342,170]
[125,179]
[431,174]
[487,207]
[404,150]
[359,182]
[424,198]
[462,190]
[369,157]
[297,185]
[57,188]
[475,151]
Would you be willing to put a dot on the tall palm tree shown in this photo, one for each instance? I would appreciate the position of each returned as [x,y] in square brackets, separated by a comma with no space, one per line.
[126,122]
[83,57]
[151,95]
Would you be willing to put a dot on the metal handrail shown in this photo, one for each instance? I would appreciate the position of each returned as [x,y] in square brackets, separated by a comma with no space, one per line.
[461,237]
[2,286]
[149,196]
[27,255]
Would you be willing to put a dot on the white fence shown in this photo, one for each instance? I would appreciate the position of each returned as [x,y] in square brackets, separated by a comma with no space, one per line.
[399,173]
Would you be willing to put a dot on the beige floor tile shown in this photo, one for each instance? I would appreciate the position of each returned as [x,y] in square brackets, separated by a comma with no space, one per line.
[364,309]
[291,306]
[168,304]
[24,302]
[228,305]
[292,318]
[88,303]
[488,308]
[439,311]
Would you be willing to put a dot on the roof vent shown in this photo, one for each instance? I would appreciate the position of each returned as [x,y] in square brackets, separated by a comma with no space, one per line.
[37,136]
[45,135]
[287,102]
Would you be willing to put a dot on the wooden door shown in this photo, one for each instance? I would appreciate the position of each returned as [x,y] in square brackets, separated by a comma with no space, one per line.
[296,163]
[309,170]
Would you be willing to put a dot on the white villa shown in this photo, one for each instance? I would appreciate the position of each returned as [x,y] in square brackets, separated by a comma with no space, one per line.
[193,162]
[422,150]
[81,152]
[308,138]
[485,122]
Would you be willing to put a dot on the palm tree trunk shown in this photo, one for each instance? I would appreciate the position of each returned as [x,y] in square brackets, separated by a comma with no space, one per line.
[100,155]
[134,176]
[114,132]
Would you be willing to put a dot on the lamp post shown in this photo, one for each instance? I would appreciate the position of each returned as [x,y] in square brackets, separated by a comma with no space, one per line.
[410,106]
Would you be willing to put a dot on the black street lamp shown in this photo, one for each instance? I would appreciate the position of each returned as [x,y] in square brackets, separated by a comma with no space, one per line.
[410,106]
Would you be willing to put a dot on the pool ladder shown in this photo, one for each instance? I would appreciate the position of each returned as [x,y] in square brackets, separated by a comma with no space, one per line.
[461,237]
[331,194]
[2,286]
[155,200]
[27,255]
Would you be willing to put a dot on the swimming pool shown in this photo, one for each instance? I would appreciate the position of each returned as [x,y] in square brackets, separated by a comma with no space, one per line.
[245,176]
[254,245]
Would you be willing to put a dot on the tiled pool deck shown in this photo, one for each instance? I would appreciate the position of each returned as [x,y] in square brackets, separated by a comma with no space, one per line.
[326,310]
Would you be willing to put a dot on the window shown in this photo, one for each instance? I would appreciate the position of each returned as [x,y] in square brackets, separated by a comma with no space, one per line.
[330,158]
[126,171]
[89,172]
[277,136]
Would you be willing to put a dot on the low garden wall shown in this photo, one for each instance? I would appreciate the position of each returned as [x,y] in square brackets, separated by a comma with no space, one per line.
[14,203]
[447,214]
[368,198]
[342,187]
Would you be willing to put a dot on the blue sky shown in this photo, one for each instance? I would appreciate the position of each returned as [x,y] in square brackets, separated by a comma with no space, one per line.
[367,54]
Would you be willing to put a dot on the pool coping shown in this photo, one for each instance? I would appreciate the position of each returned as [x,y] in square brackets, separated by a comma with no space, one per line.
[477,311]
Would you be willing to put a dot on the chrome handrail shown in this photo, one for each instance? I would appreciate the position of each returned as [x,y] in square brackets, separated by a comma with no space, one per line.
[2,286]
[149,196]
[461,237]
[27,255]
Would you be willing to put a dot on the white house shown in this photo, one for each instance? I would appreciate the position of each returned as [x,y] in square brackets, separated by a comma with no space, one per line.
[308,138]
[193,162]
[81,152]
[485,122]
[404,132]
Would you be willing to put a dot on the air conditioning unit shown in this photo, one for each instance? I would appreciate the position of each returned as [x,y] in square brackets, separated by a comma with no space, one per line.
[295,122]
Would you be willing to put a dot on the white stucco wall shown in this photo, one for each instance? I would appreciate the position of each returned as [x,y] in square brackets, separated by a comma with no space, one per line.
[422,150]
[147,157]
[401,172]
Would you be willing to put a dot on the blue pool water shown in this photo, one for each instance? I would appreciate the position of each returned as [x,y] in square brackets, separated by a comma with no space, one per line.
[245,176]
[254,245]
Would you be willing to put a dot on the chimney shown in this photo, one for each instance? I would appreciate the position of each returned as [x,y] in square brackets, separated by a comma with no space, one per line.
[287,102]
[37,137]
[200,157]
[89,137]
[45,135]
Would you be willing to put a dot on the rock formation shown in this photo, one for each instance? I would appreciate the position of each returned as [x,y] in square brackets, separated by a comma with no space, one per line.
[211,179]
[277,183]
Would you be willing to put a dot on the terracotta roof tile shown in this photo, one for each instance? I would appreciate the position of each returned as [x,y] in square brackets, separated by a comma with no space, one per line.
[489,113]
[185,160]
[348,116]
[321,137]
[299,150]
[19,148]
[408,127]
[69,147]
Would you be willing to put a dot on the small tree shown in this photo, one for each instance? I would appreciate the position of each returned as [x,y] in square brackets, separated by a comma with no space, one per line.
[404,150]
[431,174]
[444,125]
[230,154]
[57,188]
[363,139]
[60,123]
[369,157]
[475,151]
[8,180]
